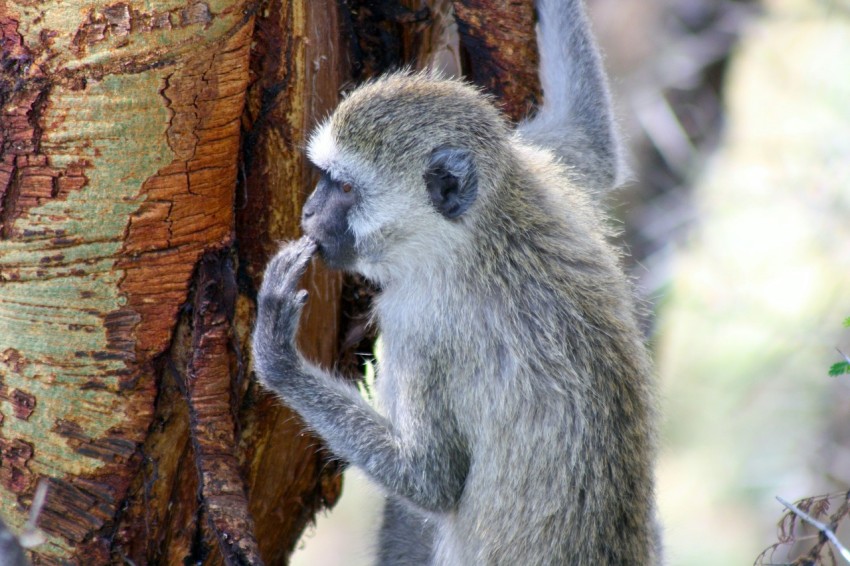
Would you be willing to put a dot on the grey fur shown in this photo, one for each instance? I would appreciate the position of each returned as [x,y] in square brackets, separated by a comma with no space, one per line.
[407,537]
[576,119]
[517,421]
[451,180]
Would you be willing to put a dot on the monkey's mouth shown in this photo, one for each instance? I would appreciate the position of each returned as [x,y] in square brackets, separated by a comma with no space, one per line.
[336,254]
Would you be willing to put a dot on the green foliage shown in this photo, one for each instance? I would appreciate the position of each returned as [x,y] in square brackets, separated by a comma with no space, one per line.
[367,384]
[841,368]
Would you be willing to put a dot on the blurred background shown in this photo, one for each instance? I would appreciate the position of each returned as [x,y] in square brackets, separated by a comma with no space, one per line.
[737,228]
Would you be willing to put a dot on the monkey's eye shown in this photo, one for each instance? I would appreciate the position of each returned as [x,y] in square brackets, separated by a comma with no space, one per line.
[346,187]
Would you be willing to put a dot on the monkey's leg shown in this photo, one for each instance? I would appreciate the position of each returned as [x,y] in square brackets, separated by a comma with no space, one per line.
[406,537]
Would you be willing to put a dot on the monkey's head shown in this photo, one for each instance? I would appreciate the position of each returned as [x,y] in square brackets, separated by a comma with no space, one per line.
[407,162]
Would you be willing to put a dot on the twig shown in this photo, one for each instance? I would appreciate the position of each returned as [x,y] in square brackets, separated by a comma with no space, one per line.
[822,527]
[31,536]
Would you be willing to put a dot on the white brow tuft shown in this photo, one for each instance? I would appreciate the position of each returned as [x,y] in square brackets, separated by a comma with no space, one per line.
[322,149]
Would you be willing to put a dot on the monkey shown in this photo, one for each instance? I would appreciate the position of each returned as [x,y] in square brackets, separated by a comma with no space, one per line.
[515,421]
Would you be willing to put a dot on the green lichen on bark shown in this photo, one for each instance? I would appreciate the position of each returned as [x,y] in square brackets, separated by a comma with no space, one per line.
[67,342]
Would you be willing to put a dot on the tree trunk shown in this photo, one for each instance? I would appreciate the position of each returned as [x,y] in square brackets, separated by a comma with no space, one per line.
[150,161]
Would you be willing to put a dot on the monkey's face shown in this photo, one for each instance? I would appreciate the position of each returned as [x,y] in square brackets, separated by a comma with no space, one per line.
[346,213]
[383,220]
[401,162]
[325,218]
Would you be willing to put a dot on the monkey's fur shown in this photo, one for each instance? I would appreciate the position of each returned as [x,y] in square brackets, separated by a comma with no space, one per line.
[516,422]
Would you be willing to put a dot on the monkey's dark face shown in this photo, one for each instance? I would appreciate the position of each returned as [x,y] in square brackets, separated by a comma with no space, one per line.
[358,225]
[325,218]
[414,173]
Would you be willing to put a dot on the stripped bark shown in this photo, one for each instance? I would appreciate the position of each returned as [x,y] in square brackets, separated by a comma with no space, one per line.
[120,153]
[120,140]
[213,401]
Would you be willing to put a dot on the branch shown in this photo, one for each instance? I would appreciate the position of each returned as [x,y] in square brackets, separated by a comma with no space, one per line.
[822,527]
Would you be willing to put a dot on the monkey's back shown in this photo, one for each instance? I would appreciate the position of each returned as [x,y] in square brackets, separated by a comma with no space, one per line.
[535,351]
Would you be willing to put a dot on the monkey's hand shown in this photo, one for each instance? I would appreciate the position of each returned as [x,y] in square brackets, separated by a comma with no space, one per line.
[279,306]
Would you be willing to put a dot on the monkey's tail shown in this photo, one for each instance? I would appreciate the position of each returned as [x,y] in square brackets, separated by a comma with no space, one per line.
[576,118]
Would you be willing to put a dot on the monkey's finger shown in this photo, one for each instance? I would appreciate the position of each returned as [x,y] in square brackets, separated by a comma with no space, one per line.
[293,315]
[287,267]
[295,258]
[278,317]
[281,264]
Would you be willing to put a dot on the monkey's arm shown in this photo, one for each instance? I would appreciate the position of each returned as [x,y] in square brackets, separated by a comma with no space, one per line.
[425,465]
[576,120]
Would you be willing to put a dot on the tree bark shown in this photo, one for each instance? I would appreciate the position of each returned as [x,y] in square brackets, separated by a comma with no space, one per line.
[499,52]
[150,160]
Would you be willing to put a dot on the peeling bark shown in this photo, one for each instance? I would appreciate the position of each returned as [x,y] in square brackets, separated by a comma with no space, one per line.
[119,137]
[213,421]
[24,178]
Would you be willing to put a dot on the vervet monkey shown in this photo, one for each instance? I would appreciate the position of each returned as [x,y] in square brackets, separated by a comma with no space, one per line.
[516,421]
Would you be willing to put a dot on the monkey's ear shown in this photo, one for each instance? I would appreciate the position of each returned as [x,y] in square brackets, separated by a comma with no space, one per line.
[452,180]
